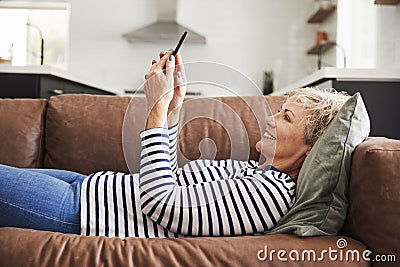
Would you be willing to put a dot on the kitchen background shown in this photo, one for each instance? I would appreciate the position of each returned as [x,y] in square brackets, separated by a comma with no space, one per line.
[252,36]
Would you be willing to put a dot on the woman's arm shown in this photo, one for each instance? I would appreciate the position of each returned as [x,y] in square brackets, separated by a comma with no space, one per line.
[179,89]
[159,90]
[174,107]
[173,146]
[214,208]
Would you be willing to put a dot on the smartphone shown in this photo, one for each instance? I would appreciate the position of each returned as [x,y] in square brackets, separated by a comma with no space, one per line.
[176,50]
[178,46]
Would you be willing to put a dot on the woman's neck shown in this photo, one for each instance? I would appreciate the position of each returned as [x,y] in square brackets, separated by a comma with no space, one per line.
[292,170]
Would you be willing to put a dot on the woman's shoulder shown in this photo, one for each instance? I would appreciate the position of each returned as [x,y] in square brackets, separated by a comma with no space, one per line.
[278,178]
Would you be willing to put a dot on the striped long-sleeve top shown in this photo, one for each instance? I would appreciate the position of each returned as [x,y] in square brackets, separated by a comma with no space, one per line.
[203,198]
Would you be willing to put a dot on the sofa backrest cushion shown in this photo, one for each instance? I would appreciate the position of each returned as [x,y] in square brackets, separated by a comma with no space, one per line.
[88,133]
[84,133]
[212,128]
[21,132]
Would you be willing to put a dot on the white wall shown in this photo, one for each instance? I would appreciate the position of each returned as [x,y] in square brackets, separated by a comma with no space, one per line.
[250,35]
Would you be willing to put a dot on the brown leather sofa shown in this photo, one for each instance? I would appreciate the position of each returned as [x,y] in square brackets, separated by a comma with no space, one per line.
[84,133]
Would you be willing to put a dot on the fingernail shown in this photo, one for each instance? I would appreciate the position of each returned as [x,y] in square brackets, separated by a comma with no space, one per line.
[171,57]
[179,74]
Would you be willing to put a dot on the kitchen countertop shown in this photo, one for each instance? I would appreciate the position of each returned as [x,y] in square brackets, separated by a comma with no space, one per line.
[48,70]
[341,74]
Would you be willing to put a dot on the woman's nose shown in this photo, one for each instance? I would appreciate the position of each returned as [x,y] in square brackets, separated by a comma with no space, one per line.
[271,121]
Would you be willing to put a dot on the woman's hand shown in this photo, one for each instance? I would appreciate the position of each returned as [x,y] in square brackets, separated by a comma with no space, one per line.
[159,89]
[179,90]
[159,84]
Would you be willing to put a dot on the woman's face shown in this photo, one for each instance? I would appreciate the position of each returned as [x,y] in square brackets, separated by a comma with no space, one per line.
[283,141]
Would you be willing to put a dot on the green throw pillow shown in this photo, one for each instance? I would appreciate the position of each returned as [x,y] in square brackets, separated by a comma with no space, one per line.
[321,196]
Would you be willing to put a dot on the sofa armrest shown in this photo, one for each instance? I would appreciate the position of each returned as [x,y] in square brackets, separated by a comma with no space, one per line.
[374,196]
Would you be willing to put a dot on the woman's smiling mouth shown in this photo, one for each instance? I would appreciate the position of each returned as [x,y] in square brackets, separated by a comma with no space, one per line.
[268,135]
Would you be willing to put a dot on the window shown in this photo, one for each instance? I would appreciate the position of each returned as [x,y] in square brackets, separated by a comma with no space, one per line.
[22,27]
[357,33]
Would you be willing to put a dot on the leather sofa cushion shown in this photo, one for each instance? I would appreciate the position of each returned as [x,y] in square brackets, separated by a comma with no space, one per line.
[21,132]
[42,248]
[84,133]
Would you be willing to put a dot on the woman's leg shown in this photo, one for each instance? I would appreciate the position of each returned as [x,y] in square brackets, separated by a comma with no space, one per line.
[30,199]
[66,176]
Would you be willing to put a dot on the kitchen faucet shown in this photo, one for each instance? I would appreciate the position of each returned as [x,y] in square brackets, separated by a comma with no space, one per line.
[323,46]
[41,39]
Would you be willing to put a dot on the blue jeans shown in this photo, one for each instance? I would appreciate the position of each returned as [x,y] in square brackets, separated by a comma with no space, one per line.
[42,199]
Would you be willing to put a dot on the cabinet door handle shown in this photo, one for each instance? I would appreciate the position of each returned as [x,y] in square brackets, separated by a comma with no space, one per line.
[57,91]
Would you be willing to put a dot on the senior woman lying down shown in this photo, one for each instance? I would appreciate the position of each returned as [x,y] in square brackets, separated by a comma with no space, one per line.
[202,198]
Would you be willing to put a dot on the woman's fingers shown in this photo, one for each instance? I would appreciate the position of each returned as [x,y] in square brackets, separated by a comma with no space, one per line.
[163,61]
[160,65]
[180,77]
[178,58]
[180,66]
[151,70]
[170,67]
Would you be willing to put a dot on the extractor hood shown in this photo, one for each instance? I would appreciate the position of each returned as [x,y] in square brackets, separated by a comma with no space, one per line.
[166,28]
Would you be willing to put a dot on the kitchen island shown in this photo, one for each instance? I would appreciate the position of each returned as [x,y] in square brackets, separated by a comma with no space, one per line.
[380,89]
[43,82]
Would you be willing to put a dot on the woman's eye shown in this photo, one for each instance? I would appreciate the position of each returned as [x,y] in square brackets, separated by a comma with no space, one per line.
[286,117]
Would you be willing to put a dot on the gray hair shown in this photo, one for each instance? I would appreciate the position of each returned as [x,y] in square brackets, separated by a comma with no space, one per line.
[322,107]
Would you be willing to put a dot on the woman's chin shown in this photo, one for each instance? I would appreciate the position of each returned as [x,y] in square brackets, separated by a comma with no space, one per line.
[266,148]
[258,146]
